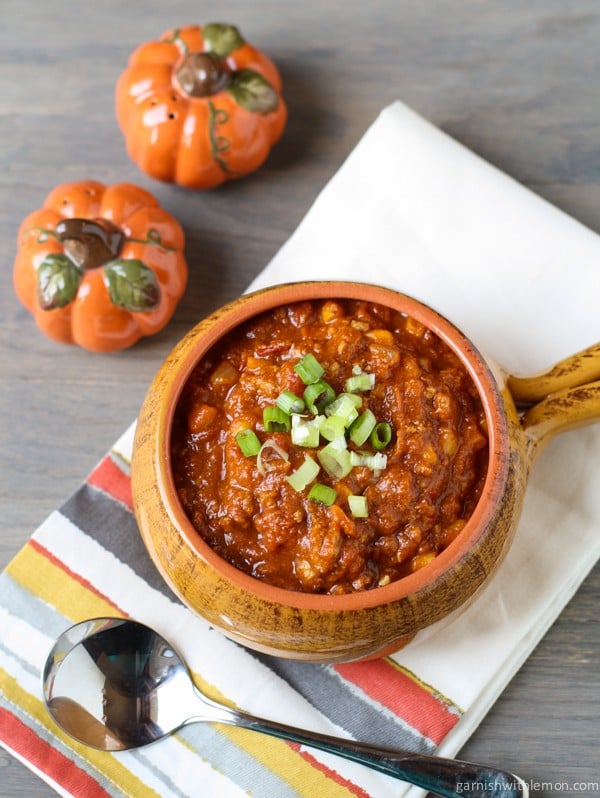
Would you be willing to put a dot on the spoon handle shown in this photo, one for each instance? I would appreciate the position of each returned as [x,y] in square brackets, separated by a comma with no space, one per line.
[446,777]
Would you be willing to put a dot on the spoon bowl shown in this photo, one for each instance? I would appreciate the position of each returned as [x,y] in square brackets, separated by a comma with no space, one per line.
[116,684]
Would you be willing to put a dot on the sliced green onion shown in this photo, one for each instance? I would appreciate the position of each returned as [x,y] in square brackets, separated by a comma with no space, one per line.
[362,427]
[375,462]
[381,435]
[303,475]
[289,402]
[317,395]
[354,398]
[275,420]
[248,442]
[358,506]
[309,369]
[269,444]
[358,458]
[305,432]
[322,494]
[344,407]
[335,459]
[332,427]
[360,382]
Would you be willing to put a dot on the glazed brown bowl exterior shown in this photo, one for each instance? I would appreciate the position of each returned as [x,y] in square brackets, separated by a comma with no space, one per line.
[338,628]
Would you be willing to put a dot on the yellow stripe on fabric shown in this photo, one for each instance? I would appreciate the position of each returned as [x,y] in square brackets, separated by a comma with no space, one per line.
[288,765]
[47,580]
[433,691]
[72,599]
[99,762]
[276,755]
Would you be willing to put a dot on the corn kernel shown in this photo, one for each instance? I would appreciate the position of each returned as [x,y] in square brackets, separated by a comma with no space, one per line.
[385,337]
[331,311]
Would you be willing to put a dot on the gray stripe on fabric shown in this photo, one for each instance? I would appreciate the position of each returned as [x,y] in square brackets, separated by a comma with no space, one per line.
[235,763]
[14,654]
[114,527]
[23,604]
[327,693]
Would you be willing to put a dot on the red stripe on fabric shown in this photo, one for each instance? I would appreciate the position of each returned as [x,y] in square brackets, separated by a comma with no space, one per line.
[25,742]
[395,690]
[352,788]
[108,477]
[77,577]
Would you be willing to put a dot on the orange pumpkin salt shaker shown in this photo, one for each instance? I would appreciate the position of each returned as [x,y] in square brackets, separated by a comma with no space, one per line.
[200,106]
[100,266]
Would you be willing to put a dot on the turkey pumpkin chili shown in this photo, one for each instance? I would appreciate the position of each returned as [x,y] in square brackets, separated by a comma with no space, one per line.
[329,446]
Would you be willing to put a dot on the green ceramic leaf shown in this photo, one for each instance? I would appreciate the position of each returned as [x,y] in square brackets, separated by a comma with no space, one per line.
[58,279]
[253,92]
[132,285]
[222,39]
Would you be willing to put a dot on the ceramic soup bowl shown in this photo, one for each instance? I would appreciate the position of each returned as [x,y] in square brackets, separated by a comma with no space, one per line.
[522,414]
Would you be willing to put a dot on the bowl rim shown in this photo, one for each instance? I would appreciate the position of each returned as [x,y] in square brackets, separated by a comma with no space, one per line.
[196,343]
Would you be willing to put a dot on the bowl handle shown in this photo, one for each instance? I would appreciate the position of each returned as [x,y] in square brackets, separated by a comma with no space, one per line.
[565,396]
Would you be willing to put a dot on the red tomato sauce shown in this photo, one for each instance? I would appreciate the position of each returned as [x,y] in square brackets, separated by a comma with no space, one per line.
[435,466]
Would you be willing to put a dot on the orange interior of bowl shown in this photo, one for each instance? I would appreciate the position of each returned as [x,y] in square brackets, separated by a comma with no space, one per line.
[252,305]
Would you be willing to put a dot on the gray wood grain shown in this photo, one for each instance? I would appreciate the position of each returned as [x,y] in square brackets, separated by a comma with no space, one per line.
[517,82]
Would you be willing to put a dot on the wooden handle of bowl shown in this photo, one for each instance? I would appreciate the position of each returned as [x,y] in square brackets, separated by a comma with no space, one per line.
[579,369]
[561,398]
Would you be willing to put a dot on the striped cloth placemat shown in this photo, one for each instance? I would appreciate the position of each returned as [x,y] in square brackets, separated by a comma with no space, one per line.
[414,210]
[86,560]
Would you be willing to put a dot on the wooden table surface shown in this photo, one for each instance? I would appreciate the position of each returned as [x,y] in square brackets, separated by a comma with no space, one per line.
[517,82]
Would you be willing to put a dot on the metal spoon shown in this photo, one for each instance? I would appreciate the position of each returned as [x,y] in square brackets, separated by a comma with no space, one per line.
[115,684]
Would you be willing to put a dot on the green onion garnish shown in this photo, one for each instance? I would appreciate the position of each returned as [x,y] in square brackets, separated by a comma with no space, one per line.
[305,432]
[332,427]
[289,402]
[318,395]
[272,445]
[321,415]
[374,462]
[360,382]
[358,506]
[275,420]
[309,369]
[335,458]
[303,475]
[322,494]
[381,435]
[362,427]
[248,442]
[344,407]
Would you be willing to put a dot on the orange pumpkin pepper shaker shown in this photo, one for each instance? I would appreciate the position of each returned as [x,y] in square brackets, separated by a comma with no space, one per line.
[100,266]
[200,106]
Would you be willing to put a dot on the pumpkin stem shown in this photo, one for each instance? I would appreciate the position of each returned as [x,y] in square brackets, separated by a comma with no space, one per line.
[202,74]
[90,243]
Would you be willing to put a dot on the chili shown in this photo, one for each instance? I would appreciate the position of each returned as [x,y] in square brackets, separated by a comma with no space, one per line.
[430,432]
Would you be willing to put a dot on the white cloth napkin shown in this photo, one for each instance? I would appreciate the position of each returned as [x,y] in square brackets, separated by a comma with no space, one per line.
[414,210]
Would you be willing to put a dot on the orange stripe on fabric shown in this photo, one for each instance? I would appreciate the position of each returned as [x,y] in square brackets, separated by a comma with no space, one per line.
[23,741]
[76,577]
[396,689]
[333,775]
[44,575]
[101,762]
[108,477]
